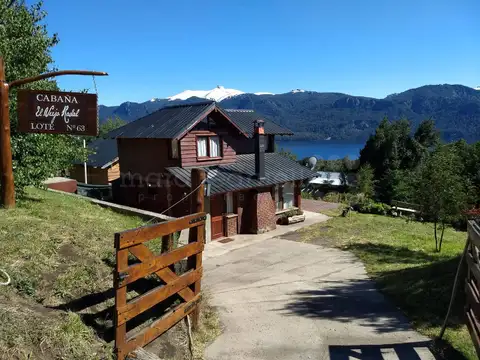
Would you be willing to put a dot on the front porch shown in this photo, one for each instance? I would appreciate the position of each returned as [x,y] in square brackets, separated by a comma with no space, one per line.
[252,211]
[217,247]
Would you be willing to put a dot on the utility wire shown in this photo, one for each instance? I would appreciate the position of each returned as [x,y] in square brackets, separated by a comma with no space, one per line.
[190,193]
[178,202]
[95,84]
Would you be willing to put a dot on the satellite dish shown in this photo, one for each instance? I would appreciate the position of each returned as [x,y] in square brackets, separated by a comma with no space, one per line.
[311,162]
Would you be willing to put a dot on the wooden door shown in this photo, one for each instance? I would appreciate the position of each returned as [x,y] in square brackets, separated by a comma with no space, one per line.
[217,206]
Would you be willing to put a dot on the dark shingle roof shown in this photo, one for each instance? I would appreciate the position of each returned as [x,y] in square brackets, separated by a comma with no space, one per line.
[170,122]
[241,174]
[245,118]
[104,153]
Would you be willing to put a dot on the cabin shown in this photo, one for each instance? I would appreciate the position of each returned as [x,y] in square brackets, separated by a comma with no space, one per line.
[248,184]
[102,164]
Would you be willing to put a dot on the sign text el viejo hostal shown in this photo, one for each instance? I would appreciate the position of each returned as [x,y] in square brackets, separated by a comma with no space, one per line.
[54,112]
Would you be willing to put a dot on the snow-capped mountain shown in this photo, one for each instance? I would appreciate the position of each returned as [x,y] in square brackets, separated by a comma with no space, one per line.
[218,94]
[336,115]
[263,93]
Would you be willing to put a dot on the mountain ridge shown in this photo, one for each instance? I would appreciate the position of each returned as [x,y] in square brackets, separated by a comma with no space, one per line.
[320,115]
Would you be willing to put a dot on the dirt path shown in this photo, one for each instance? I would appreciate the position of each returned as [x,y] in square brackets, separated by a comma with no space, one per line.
[318,205]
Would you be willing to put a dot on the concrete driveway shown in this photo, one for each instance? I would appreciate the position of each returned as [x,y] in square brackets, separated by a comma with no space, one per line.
[280,299]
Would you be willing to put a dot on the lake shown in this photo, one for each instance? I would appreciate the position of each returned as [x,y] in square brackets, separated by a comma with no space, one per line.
[321,149]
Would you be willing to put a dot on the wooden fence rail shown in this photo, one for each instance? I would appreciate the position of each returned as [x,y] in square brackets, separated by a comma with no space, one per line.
[187,286]
[472,284]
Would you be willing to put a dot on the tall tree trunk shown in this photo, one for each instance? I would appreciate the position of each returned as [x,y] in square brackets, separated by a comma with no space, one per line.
[441,237]
[435,232]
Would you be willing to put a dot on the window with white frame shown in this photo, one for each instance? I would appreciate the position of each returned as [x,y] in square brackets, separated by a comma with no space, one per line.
[208,147]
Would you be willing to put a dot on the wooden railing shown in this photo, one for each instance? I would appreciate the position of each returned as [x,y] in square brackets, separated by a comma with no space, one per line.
[472,284]
[187,286]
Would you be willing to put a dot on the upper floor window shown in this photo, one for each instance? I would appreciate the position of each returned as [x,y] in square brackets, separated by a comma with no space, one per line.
[208,147]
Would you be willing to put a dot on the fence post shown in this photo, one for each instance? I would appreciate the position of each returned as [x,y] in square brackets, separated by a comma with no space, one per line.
[120,298]
[197,233]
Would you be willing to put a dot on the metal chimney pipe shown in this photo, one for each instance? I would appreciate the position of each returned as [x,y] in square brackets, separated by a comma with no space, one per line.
[259,137]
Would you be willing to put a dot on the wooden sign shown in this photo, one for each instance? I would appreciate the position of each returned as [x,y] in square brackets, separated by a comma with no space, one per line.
[55,112]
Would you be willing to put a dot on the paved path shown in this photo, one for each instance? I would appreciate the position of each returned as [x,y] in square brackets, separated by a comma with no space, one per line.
[280,299]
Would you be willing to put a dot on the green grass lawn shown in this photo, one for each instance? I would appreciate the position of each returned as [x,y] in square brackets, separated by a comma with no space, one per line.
[401,257]
[59,252]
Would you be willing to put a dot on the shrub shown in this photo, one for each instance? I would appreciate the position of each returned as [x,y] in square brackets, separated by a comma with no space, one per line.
[306,195]
[344,198]
[369,206]
[332,197]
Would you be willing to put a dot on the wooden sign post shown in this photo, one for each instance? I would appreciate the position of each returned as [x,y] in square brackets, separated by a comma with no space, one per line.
[30,115]
[8,188]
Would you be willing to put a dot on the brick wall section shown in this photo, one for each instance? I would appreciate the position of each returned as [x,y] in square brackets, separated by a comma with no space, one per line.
[263,212]
[230,226]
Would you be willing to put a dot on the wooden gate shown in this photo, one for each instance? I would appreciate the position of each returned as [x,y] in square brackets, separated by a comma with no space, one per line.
[187,286]
[472,285]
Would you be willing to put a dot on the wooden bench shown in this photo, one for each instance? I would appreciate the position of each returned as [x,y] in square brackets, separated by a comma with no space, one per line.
[405,207]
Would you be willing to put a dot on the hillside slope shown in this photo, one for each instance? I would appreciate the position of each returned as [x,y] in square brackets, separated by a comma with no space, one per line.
[59,252]
[314,115]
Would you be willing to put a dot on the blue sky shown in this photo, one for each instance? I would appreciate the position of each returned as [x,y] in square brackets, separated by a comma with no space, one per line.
[361,47]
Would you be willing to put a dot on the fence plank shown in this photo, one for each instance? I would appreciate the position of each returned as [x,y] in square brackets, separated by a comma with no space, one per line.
[473,328]
[145,233]
[155,296]
[142,253]
[472,308]
[156,263]
[187,285]
[161,325]
[120,301]
[197,234]
[472,299]
[474,267]
[474,233]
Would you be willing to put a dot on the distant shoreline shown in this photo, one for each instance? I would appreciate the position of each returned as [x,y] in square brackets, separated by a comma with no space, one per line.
[322,149]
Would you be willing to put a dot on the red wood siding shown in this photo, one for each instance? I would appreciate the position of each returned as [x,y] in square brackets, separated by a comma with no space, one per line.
[144,156]
[242,145]
[158,197]
[188,149]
